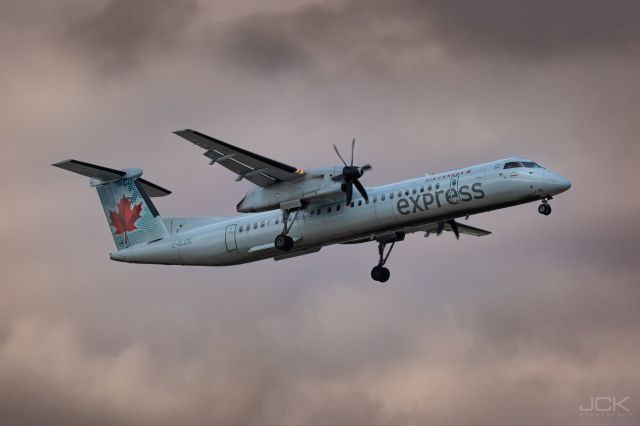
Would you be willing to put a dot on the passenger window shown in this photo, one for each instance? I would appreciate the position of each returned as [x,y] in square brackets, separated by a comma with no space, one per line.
[414,190]
[262,224]
[391,196]
[512,165]
[400,194]
[422,189]
[255,225]
[328,209]
[437,186]
[277,221]
[241,229]
[338,207]
[375,199]
[383,197]
[359,202]
[313,212]
[429,187]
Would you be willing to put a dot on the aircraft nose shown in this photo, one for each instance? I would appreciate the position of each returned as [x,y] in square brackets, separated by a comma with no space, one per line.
[555,184]
[561,183]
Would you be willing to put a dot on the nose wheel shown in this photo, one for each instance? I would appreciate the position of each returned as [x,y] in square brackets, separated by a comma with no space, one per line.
[545,208]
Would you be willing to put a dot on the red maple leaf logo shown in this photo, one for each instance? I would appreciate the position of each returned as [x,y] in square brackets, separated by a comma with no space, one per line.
[124,217]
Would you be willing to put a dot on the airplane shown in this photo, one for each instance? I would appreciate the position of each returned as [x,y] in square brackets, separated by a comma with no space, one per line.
[293,212]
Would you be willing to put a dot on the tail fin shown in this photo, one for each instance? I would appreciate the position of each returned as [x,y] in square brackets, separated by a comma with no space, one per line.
[125,198]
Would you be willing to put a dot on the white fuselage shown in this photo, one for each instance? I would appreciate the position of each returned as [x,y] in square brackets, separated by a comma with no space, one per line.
[404,206]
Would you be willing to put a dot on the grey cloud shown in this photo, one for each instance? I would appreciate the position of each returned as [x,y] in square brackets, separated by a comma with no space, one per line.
[122,34]
[534,28]
[259,45]
[517,29]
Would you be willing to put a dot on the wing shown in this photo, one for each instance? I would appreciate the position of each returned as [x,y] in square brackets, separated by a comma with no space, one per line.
[255,168]
[462,228]
[428,229]
[469,230]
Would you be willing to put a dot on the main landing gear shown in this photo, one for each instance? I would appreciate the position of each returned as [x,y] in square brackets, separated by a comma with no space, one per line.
[545,208]
[379,272]
[283,241]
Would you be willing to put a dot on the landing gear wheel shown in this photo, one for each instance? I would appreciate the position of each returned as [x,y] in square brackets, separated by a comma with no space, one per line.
[380,273]
[283,242]
[544,209]
[385,275]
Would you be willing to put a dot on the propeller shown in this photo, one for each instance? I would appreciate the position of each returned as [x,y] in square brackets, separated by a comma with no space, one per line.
[454,227]
[350,175]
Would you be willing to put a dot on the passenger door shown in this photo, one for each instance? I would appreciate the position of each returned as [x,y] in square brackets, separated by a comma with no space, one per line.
[230,238]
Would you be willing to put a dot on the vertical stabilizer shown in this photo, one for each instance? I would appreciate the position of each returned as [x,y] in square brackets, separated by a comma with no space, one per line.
[132,217]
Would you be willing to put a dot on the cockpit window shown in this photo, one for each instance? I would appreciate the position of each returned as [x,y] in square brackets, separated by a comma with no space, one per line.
[512,165]
[531,165]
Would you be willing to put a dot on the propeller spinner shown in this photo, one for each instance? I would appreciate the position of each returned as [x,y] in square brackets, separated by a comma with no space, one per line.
[351,175]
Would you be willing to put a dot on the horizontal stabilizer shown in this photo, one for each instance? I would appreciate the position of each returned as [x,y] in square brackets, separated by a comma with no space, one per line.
[152,189]
[90,170]
[107,174]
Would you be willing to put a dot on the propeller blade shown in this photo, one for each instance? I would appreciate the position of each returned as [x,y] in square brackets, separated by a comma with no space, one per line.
[349,193]
[454,227]
[361,190]
[353,145]
[340,156]
[365,168]
[440,228]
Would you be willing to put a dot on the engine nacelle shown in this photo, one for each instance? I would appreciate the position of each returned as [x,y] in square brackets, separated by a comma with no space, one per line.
[314,185]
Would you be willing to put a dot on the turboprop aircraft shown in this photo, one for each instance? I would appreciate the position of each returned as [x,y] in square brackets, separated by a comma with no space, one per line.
[292,212]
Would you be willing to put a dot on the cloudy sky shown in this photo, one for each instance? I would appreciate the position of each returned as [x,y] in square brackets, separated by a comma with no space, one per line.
[521,327]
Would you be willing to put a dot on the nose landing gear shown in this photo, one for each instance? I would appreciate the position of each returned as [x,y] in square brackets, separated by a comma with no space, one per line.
[545,208]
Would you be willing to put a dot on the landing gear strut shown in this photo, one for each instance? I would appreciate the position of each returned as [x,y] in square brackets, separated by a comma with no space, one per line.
[283,241]
[379,272]
[545,208]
